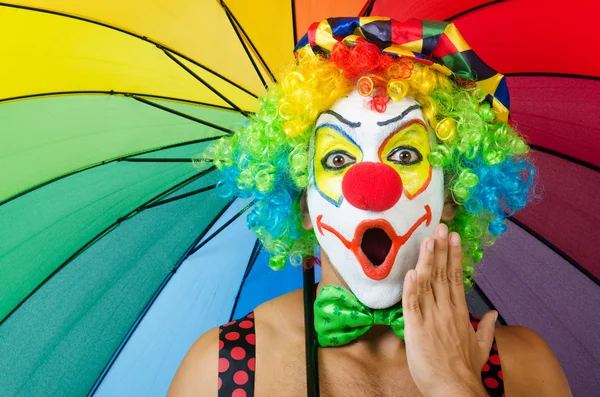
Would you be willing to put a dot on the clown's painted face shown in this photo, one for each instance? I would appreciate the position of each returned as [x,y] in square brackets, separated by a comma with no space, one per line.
[373,196]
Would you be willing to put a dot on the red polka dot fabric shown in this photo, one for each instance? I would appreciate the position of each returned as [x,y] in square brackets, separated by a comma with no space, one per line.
[237,357]
[237,360]
[491,373]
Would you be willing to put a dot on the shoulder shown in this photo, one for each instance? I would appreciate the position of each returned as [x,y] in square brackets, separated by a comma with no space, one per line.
[198,373]
[282,315]
[528,365]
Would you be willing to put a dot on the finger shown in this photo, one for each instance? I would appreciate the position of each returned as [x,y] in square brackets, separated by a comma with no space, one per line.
[439,275]
[485,334]
[411,309]
[424,266]
[455,273]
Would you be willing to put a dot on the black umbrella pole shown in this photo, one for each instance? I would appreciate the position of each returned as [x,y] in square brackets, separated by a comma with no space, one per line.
[311,347]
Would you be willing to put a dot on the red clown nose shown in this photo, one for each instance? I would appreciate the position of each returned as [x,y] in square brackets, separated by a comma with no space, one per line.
[372,186]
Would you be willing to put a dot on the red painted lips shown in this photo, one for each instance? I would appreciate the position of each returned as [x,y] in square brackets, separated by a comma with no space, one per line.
[376,244]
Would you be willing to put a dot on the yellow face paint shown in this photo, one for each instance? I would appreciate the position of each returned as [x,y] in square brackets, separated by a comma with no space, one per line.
[335,153]
[406,151]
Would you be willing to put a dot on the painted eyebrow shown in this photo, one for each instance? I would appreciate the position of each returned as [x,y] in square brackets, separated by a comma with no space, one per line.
[342,119]
[400,117]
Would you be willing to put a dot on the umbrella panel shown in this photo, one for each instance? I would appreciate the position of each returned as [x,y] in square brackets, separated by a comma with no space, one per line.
[531,285]
[559,114]
[268,27]
[189,28]
[437,10]
[310,11]
[567,214]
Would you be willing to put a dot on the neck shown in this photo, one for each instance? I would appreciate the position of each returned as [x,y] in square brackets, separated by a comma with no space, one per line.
[380,339]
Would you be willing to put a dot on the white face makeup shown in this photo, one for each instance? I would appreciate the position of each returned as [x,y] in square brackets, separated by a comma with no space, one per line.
[373,196]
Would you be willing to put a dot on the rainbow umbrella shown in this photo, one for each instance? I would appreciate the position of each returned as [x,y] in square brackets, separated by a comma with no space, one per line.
[116,253]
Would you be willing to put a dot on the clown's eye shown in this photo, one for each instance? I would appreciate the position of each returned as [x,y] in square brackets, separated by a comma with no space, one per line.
[405,155]
[338,160]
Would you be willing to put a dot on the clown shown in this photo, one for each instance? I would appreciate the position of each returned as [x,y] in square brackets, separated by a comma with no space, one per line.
[388,147]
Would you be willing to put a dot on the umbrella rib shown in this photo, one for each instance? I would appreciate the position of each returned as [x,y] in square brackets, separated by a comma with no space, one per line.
[219,230]
[253,256]
[470,10]
[140,317]
[152,300]
[256,69]
[104,232]
[551,74]
[294,28]
[565,157]
[200,79]
[123,158]
[557,250]
[181,196]
[367,8]
[201,236]
[488,302]
[157,160]
[120,93]
[235,23]
[173,189]
[141,37]
[181,114]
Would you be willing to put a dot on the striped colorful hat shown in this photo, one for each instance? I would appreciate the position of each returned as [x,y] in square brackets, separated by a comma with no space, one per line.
[438,44]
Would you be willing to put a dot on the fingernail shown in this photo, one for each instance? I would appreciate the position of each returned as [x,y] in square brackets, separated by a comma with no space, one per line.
[413,275]
[496,317]
[442,230]
[429,246]
[455,239]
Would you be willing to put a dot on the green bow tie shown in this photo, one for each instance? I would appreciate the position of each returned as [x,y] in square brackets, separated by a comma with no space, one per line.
[340,317]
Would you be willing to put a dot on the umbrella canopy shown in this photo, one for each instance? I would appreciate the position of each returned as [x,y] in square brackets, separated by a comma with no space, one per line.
[116,253]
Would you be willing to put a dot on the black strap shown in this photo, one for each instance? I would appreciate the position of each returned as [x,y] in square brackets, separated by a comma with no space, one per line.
[311,347]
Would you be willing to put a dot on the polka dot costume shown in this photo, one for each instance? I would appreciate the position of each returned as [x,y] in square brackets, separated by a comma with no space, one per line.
[237,357]
[237,360]
[491,373]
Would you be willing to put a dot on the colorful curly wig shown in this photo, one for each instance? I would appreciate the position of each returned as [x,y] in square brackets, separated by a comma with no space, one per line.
[485,170]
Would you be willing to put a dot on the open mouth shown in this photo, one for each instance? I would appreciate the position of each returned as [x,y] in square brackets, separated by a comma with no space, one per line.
[376,244]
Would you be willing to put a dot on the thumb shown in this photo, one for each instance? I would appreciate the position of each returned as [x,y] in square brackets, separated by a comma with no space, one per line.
[485,332]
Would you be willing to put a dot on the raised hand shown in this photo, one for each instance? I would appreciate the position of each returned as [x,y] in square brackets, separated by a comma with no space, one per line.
[445,354]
